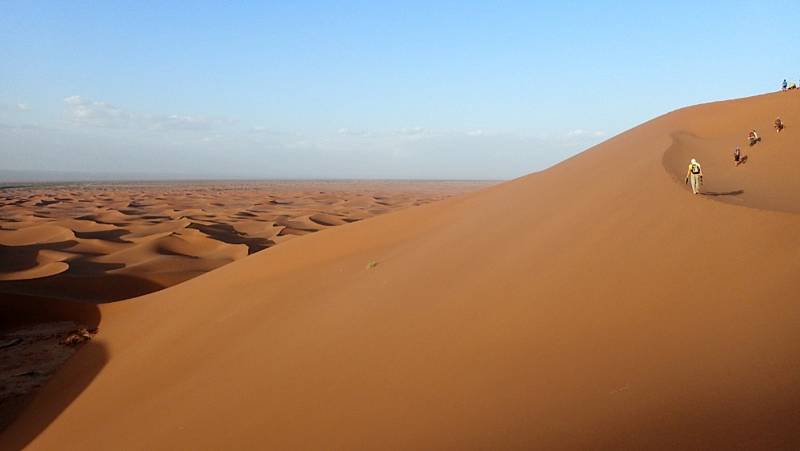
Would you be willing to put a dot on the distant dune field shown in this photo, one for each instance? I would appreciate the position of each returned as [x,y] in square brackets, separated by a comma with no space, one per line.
[106,242]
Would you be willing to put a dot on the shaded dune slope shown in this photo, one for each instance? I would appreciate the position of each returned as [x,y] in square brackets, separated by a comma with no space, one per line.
[597,304]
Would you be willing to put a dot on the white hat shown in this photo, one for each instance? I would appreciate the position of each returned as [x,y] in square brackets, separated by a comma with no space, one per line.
[694,161]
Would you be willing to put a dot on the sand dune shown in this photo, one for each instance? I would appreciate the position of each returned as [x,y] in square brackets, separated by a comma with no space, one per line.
[81,237]
[38,234]
[767,180]
[595,305]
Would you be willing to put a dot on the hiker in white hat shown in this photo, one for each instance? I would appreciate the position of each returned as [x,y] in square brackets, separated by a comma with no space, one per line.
[695,173]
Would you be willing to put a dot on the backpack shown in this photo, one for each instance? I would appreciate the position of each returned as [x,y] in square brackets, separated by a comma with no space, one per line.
[695,168]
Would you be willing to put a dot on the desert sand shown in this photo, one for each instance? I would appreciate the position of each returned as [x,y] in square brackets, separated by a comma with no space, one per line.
[101,242]
[64,247]
[594,305]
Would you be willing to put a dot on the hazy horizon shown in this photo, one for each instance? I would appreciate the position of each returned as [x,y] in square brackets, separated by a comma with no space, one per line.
[353,91]
[21,177]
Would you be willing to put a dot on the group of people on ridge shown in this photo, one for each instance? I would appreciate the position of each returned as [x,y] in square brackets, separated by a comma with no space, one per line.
[787,85]
[695,172]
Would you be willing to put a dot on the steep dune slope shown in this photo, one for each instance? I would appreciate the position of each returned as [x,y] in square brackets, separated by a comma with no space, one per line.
[597,304]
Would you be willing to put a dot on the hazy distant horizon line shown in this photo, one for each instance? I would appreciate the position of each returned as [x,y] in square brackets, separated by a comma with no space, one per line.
[17,178]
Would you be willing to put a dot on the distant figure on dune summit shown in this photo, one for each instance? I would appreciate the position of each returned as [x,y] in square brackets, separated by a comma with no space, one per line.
[753,137]
[784,85]
[695,174]
[778,125]
[792,85]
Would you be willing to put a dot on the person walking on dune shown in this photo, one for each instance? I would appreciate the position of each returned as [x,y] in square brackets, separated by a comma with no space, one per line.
[778,125]
[753,137]
[695,174]
[737,156]
[785,84]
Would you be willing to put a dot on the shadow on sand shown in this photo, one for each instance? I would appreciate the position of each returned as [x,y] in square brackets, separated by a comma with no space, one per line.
[723,193]
[37,410]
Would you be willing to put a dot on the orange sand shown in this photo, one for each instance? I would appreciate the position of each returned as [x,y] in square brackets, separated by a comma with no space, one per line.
[595,305]
[110,242]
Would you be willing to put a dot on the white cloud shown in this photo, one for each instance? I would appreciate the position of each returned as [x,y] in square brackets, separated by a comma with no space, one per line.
[581,132]
[17,107]
[350,132]
[175,122]
[74,100]
[86,112]
[401,152]
[411,131]
[212,138]
[466,151]
[22,127]
[97,114]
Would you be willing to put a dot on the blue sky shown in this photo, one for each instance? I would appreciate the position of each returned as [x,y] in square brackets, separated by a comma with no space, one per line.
[364,89]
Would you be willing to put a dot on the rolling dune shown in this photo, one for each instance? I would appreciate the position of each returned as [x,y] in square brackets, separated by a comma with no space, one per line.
[594,305]
[79,241]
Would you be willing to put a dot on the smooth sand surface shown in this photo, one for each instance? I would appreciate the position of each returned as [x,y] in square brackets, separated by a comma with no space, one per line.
[102,242]
[595,305]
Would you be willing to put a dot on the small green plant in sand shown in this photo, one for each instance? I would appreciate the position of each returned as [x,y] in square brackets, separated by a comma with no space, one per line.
[372,264]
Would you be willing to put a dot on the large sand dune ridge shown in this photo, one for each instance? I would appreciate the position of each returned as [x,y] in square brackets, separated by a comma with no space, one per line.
[595,305]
